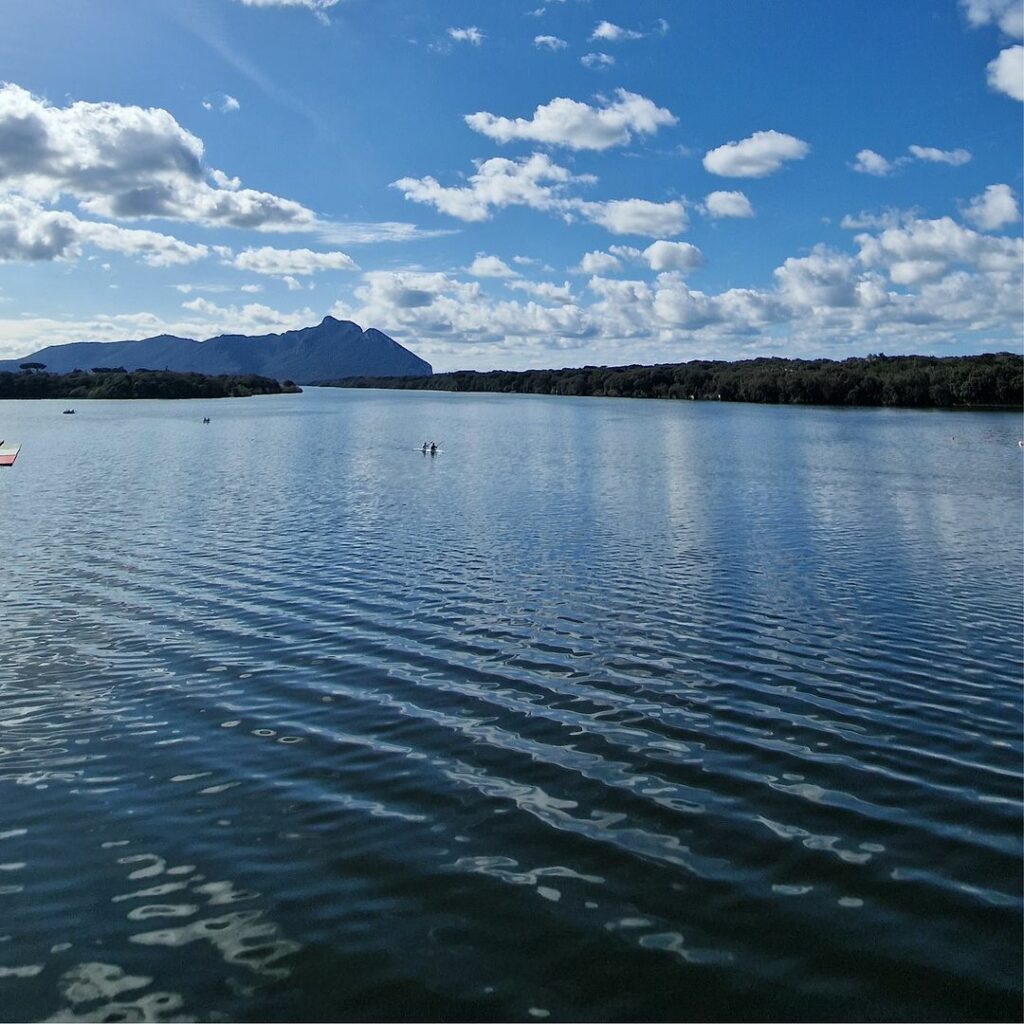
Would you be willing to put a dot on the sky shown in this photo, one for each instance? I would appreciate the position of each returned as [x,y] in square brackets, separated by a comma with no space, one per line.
[517,183]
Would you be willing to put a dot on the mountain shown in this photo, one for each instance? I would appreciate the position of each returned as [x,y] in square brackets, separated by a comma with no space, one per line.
[331,349]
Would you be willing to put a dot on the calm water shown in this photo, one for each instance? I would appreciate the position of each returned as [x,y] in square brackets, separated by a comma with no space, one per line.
[614,710]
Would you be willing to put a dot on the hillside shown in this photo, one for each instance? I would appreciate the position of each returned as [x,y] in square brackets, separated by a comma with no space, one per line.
[331,349]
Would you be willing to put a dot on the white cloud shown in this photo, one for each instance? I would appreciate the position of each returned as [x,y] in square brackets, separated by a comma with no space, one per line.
[549,42]
[30,233]
[227,104]
[539,183]
[535,181]
[566,122]
[994,208]
[363,233]
[1007,14]
[597,262]
[610,33]
[1006,72]
[953,157]
[888,218]
[280,262]
[471,34]
[546,291]
[924,250]
[318,7]
[252,318]
[727,204]
[629,253]
[126,163]
[490,266]
[188,289]
[870,162]
[636,216]
[761,154]
[823,279]
[681,256]
[659,256]
[597,60]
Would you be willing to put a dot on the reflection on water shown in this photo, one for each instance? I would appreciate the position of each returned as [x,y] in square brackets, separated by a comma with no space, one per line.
[664,711]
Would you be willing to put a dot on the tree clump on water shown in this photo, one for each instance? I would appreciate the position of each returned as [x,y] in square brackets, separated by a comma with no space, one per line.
[116,382]
[921,382]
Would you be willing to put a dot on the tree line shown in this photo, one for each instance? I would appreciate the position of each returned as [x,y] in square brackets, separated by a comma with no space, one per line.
[116,382]
[991,380]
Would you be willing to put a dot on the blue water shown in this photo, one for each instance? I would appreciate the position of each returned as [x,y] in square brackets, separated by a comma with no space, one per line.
[615,710]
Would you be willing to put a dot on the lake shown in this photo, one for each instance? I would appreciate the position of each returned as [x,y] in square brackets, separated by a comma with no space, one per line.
[613,710]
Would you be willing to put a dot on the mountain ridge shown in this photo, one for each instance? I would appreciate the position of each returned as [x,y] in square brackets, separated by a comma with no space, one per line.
[333,348]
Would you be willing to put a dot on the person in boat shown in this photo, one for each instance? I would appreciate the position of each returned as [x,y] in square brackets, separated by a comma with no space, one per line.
[433,447]
[426,445]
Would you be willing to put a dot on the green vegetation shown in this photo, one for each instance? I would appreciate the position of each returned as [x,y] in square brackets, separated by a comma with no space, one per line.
[116,382]
[993,380]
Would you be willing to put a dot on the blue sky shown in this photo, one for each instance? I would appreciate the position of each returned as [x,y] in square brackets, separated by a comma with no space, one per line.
[514,184]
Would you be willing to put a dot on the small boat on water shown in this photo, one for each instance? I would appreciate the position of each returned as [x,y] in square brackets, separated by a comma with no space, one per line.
[8,453]
[69,412]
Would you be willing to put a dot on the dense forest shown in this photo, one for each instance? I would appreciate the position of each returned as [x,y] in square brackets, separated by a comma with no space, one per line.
[915,381]
[116,382]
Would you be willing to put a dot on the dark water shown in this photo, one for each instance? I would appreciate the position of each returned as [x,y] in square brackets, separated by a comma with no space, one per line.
[614,710]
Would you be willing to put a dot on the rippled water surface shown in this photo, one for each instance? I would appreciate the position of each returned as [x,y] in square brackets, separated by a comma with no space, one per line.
[614,710]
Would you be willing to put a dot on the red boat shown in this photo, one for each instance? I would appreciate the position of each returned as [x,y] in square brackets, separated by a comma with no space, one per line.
[8,453]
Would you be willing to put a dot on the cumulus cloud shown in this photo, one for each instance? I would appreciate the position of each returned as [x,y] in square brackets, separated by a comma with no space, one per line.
[546,291]
[924,250]
[539,183]
[917,281]
[490,266]
[761,154]
[251,318]
[994,208]
[471,34]
[566,122]
[610,33]
[549,43]
[281,262]
[929,154]
[636,216]
[126,162]
[662,255]
[1007,14]
[600,61]
[597,262]
[536,181]
[727,204]
[30,233]
[1006,72]
[825,278]
[868,161]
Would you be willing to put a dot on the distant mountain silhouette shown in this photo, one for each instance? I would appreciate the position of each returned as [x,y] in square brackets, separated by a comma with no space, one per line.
[331,349]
